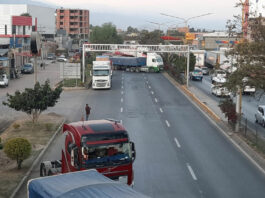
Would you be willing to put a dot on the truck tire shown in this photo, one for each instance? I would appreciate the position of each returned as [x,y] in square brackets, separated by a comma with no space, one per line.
[50,173]
[42,170]
[151,70]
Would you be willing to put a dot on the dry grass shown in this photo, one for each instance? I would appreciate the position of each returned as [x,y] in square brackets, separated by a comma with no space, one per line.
[38,135]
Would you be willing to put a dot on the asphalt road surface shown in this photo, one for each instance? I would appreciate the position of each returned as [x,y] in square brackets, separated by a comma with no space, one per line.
[180,153]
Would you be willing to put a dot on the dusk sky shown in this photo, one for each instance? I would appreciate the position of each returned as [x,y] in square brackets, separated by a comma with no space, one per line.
[137,13]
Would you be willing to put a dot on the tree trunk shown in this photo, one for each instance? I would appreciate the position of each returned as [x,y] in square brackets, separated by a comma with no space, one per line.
[19,163]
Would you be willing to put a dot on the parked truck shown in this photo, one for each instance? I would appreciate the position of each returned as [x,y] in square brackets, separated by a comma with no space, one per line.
[152,62]
[101,75]
[80,184]
[103,145]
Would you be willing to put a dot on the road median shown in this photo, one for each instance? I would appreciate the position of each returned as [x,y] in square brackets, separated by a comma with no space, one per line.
[40,135]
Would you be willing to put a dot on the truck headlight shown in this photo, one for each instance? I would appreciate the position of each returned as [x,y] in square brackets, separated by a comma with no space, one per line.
[123,179]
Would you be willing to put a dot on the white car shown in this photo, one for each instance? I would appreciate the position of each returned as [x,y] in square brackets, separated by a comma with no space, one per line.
[220,91]
[3,80]
[217,87]
[62,59]
[259,115]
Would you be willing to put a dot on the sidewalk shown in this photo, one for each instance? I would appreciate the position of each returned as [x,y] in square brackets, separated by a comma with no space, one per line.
[210,107]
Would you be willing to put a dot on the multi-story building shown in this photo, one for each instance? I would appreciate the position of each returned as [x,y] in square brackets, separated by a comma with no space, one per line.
[17,21]
[74,21]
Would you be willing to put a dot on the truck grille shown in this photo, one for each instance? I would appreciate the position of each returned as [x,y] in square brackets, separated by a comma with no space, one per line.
[101,83]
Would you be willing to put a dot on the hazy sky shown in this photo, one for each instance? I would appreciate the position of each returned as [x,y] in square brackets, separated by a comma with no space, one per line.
[136,13]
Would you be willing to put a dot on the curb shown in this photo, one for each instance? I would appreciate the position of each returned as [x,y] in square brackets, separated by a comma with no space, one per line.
[194,98]
[239,144]
[36,161]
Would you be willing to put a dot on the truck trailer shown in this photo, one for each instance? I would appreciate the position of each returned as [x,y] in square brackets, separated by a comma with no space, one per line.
[103,145]
[80,184]
[152,62]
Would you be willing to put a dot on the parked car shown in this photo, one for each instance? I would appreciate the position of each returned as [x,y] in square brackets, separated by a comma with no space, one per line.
[3,80]
[248,89]
[196,74]
[62,59]
[218,73]
[205,70]
[28,68]
[218,89]
[51,56]
[259,115]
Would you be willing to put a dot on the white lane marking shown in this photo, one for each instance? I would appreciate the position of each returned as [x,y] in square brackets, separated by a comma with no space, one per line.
[156,100]
[121,92]
[121,99]
[152,92]
[177,142]
[147,82]
[161,110]
[149,87]
[168,125]
[191,172]
[121,121]
[121,109]
[122,87]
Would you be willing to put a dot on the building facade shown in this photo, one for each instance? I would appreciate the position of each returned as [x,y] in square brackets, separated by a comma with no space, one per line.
[74,21]
[43,17]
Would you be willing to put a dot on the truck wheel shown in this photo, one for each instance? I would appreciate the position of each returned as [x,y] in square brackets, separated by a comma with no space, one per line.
[49,173]
[42,170]
[151,70]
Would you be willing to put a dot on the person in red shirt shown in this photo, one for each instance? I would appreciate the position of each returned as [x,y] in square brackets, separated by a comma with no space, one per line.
[87,108]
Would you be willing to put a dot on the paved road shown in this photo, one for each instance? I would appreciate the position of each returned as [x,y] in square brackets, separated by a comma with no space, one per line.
[249,103]
[180,153]
[51,72]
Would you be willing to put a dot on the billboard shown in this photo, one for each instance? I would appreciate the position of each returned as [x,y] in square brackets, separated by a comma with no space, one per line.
[190,36]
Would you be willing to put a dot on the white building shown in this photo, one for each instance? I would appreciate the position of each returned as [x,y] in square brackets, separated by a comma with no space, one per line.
[43,17]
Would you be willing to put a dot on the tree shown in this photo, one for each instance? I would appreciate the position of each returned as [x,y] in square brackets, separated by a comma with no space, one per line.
[34,101]
[107,34]
[249,59]
[229,109]
[25,14]
[151,38]
[18,149]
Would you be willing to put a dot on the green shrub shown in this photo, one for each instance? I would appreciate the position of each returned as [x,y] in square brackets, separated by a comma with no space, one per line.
[16,126]
[48,126]
[1,145]
[18,149]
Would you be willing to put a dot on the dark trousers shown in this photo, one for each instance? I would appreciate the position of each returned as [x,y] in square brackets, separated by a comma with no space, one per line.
[87,115]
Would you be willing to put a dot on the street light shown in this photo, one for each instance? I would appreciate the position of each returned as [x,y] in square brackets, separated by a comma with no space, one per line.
[186,20]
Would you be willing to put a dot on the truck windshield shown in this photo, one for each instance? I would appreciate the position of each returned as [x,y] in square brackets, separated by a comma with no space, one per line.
[106,155]
[158,59]
[100,72]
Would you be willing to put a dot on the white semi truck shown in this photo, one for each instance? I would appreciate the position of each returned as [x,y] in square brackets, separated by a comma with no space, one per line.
[101,75]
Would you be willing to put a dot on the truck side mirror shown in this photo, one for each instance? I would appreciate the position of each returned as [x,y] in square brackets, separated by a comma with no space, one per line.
[133,150]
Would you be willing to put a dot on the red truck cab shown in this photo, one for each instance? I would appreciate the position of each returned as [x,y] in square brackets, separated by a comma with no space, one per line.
[97,144]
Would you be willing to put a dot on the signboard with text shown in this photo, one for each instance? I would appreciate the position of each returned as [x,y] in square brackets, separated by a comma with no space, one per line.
[70,70]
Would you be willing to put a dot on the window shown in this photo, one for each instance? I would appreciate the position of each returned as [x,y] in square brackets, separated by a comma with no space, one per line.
[13,29]
[28,27]
[24,30]
[61,11]
[5,29]
[61,23]
[61,17]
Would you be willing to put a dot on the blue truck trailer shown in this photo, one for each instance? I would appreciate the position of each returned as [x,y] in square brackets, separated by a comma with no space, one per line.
[151,63]
[80,184]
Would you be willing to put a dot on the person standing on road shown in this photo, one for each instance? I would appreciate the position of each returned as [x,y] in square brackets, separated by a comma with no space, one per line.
[87,108]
